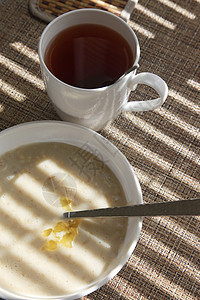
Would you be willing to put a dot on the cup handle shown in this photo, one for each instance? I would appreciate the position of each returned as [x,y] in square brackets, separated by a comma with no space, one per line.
[153,81]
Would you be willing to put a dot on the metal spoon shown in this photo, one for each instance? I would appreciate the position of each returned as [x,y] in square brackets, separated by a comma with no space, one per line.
[173,208]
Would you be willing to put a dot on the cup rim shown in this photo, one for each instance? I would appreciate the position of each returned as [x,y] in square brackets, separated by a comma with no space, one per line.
[74,12]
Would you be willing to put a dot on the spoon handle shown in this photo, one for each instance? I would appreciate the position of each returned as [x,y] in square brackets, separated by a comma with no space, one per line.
[173,208]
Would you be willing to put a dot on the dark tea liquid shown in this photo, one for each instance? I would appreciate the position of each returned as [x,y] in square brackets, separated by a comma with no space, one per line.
[88,56]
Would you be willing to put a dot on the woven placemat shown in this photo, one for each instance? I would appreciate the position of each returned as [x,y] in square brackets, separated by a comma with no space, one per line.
[47,10]
[162,146]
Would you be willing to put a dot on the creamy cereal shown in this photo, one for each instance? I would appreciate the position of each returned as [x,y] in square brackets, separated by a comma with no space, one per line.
[34,184]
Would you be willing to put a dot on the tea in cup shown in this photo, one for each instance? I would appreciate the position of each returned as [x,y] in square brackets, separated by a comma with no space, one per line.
[88,56]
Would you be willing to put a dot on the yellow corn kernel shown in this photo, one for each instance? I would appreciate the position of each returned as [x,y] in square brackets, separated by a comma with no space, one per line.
[60,226]
[66,203]
[64,233]
[47,232]
[49,246]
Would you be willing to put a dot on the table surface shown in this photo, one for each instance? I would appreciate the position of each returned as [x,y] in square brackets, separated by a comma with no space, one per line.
[162,146]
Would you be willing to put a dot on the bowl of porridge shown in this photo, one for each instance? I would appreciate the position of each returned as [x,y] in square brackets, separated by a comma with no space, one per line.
[46,169]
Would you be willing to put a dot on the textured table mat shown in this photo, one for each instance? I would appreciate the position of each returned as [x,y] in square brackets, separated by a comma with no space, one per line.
[162,145]
[46,10]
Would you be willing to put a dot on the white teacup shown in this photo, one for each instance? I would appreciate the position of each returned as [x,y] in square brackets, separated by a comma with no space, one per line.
[95,108]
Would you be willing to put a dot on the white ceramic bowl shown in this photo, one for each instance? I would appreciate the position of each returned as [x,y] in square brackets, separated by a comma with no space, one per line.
[56,131]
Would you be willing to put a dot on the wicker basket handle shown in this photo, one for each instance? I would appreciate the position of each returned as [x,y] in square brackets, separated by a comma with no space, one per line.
[128,9]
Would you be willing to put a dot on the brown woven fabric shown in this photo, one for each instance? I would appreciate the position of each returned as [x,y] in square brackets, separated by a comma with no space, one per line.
[48,9]
[57,7]
[162,145]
